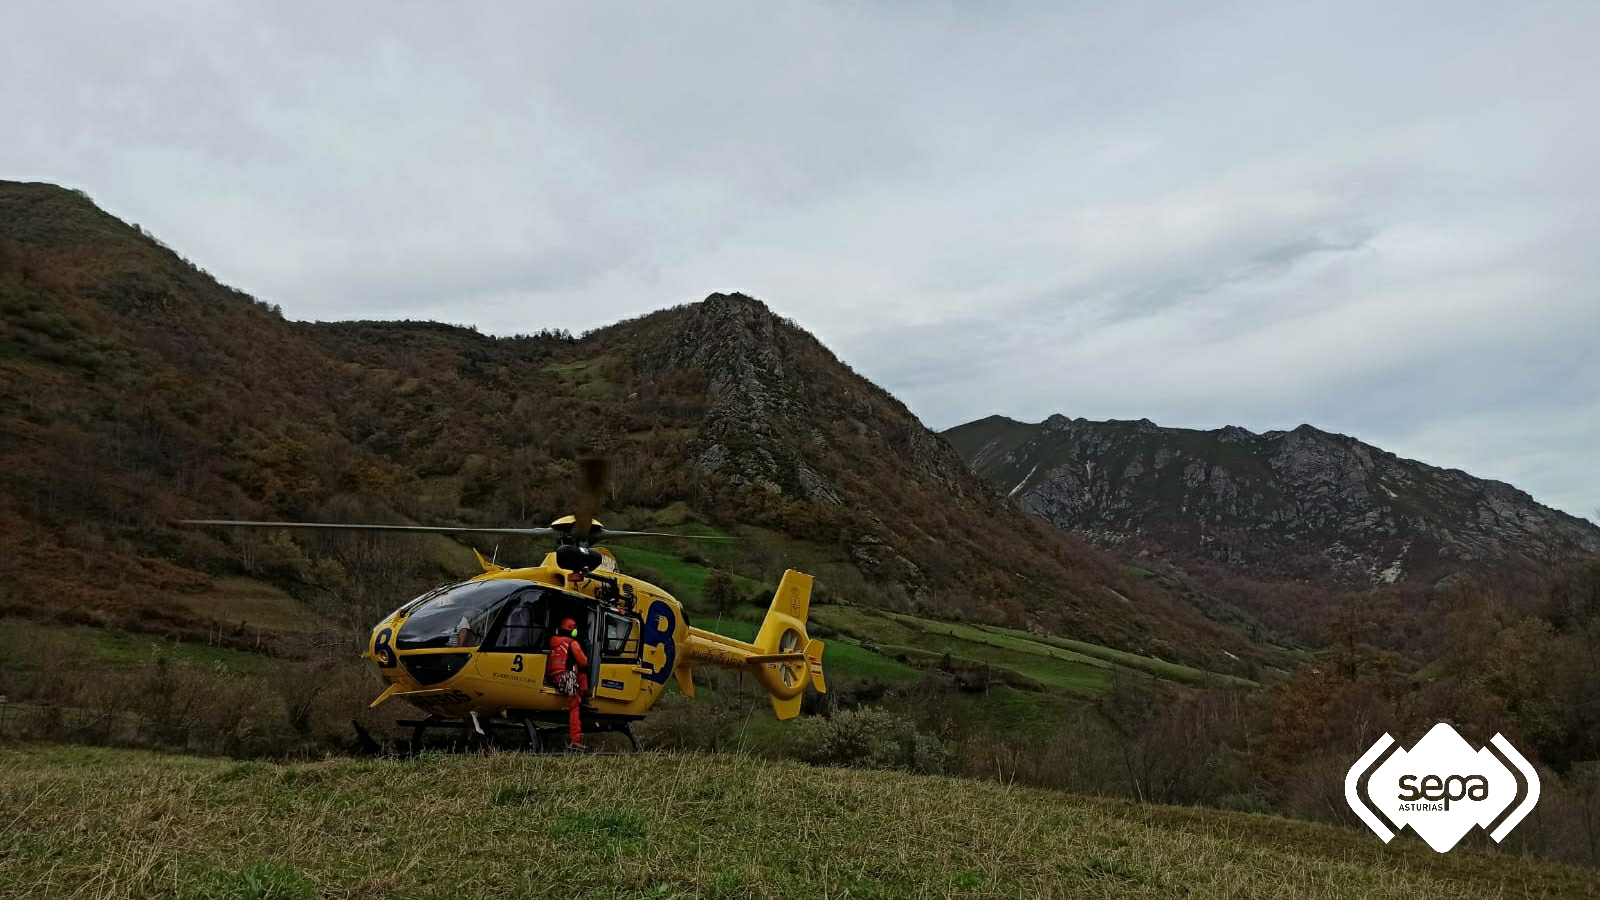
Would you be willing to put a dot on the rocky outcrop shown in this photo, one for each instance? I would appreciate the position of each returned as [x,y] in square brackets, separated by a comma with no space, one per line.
[785,412]
[739,344]
[1305,503]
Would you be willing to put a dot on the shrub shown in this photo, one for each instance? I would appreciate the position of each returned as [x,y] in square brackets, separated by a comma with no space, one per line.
[869,737]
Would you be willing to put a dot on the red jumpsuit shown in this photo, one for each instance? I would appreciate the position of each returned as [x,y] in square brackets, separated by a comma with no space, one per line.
[565,651]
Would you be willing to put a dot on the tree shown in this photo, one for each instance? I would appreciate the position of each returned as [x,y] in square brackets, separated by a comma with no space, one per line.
[721,594]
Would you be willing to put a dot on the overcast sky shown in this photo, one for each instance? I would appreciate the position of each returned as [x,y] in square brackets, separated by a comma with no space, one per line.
[1379,218]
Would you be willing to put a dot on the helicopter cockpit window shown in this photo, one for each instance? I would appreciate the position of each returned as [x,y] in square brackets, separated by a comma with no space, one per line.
[622,636]
[525,626]
[457,617]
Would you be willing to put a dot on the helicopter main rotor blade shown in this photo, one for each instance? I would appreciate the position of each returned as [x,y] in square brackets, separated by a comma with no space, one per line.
[336,526]
[607,534]
[592,473]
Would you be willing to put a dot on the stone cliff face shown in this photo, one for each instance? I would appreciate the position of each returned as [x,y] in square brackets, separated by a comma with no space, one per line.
[1304,504]
[789,417]
[741,346]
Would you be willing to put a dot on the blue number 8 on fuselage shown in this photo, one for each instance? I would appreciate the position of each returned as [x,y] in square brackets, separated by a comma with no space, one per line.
[660,628]
[382,650]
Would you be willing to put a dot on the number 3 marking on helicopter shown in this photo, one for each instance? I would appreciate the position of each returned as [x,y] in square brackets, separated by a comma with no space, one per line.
[659,626]
[382,650]
[516,663]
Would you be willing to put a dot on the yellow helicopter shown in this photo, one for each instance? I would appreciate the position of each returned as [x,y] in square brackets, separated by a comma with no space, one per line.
[472,654]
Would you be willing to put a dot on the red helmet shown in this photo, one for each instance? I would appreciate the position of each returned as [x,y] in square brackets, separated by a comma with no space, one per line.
[568,625]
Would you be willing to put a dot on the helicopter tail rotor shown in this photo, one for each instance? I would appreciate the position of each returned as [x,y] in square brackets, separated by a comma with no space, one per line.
[790,660]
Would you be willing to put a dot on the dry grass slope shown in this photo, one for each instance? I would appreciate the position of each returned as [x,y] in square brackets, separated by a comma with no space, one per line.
[99,823]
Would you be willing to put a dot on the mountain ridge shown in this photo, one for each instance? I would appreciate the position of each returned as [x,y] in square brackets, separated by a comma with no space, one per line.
[173,396]
[1333,508]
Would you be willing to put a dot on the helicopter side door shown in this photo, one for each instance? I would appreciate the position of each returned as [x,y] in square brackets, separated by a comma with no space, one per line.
[517,642]
[616,661]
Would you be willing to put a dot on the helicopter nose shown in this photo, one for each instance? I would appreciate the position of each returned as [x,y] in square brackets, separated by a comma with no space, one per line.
[432,668]
[382,651]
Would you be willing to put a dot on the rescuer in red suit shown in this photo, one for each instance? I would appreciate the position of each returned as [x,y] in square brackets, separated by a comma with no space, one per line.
[567,654]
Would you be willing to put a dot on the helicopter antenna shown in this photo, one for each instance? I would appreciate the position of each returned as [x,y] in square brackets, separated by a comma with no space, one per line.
[495,557]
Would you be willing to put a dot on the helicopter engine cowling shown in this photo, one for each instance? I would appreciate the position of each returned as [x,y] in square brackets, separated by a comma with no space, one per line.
[574,558]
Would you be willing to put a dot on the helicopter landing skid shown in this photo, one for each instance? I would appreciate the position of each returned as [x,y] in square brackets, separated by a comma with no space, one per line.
[538,739]
[480,732]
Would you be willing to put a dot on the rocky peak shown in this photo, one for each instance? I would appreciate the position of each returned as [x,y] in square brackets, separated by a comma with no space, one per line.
[725,334]
[785,414]
[751,362]
[728,302]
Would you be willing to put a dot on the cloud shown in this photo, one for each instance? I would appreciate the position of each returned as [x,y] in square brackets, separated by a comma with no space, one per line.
[1520,446]
[1375,217]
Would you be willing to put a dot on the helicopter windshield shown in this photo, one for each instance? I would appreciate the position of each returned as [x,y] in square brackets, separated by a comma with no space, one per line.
[457,617]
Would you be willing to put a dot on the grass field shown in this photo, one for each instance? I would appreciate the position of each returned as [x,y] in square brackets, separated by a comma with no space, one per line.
[254,603]
[685,579]
[114,650]
[1160,668]
[1076,667]
[92,823]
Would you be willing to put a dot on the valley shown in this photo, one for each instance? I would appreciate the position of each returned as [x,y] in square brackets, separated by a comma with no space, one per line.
[1101,610]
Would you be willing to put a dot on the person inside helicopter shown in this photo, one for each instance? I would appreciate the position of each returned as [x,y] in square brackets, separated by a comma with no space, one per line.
[456,616]
[518,630]
[469,627]
[525,625]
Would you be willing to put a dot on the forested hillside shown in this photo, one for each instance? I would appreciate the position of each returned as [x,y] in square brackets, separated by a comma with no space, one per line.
[139,391]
